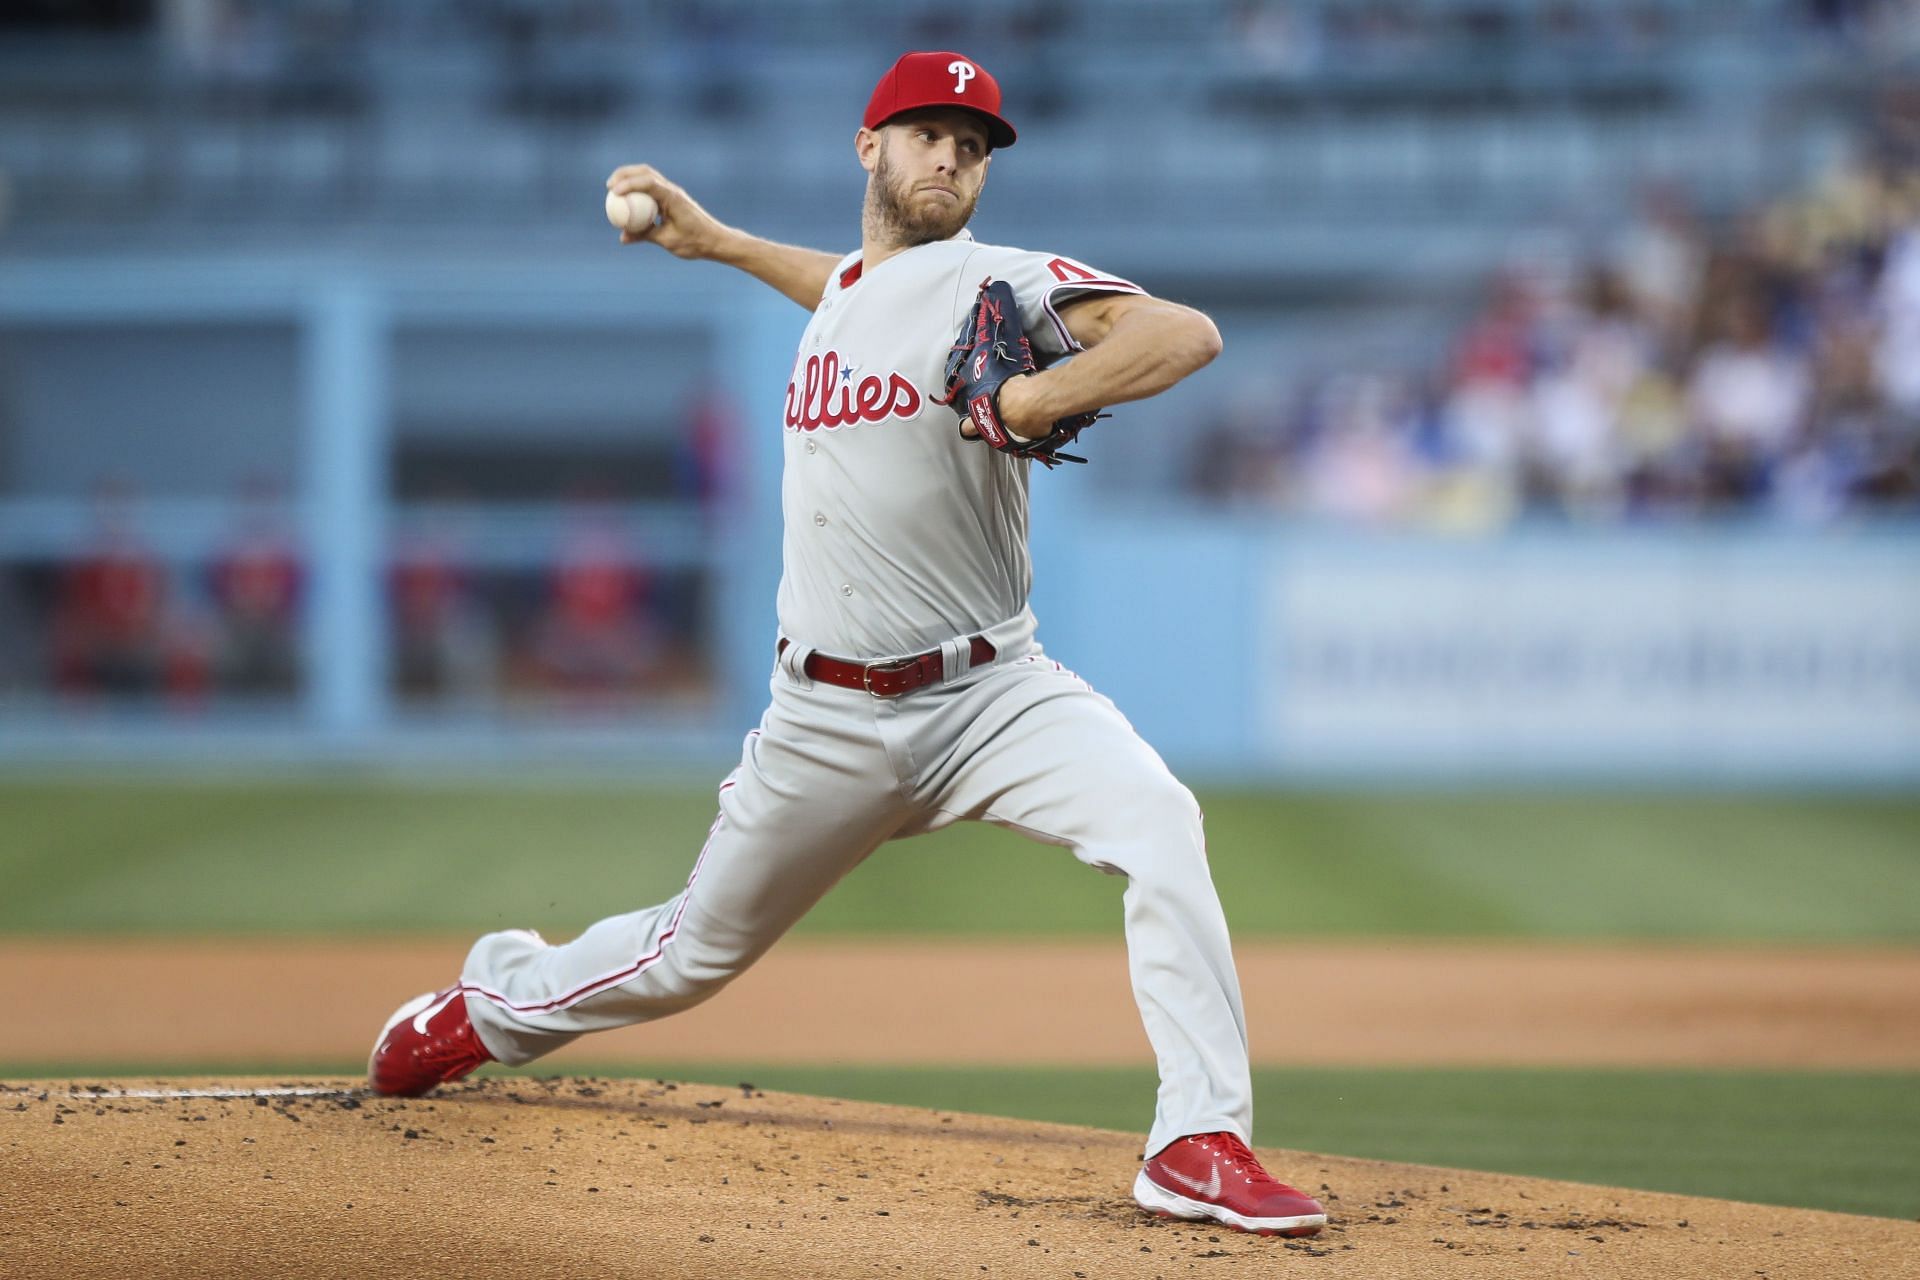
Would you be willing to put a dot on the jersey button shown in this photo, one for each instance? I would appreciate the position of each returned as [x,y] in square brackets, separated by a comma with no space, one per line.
[846,588]
[812,447]
[819,519]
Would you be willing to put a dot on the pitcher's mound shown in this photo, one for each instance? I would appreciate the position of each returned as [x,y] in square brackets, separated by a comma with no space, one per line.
[525,1178]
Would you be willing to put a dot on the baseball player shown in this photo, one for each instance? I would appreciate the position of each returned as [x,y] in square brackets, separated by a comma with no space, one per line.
[908,690]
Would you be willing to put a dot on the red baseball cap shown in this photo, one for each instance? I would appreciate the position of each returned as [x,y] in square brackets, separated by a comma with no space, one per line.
[939,78]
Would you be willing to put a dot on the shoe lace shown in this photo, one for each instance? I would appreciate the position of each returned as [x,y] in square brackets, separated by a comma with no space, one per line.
[450,1049]
[1239,1158]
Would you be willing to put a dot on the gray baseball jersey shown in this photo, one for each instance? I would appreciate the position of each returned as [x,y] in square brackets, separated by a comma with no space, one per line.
[900,533]
[904,538]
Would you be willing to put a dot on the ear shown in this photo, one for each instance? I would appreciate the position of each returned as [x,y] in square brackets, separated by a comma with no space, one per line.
[866,145]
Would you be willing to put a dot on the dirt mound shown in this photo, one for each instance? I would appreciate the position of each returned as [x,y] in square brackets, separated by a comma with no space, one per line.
[517,1178]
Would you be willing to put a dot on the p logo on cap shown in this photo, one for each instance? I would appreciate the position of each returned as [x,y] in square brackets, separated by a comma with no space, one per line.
[939,78]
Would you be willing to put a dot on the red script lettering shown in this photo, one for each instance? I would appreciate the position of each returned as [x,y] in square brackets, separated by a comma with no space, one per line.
[820,396]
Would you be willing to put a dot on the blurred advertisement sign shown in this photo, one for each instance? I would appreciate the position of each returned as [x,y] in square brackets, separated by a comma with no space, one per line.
[1706,660]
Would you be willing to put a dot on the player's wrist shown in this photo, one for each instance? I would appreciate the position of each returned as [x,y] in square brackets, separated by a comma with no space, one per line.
[1016,405]
[731,247]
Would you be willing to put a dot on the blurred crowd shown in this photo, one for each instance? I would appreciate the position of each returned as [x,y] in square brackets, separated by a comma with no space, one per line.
[557,55]
[118,621]
[238,33]
[1306,36]
[1769,367]
[593,624]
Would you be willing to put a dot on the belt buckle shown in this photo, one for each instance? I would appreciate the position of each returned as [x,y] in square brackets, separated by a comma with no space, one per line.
[884,668]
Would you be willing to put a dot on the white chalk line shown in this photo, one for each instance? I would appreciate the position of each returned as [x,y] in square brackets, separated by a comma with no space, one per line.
[84,1094]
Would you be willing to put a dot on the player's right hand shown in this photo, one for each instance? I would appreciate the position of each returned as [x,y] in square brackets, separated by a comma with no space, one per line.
[683,228]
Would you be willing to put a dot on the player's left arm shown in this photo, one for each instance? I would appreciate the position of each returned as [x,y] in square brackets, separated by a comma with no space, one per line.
[1136,346]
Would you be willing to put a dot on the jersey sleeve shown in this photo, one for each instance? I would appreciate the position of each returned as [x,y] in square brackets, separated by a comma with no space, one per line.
[1046,282]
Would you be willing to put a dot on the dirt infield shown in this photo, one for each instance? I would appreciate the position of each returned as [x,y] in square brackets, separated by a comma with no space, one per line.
[265,1003]
[517,1178]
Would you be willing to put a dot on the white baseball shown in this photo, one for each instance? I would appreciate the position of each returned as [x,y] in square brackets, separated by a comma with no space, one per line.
[631,212]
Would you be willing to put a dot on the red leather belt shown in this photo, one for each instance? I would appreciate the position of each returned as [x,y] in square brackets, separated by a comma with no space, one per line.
[888,679]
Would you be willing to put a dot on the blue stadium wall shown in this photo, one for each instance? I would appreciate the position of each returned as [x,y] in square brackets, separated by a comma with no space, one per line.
[1245,648]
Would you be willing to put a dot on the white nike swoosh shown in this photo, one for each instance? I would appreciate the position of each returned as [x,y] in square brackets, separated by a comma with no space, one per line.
[421,1019]
[1209,1190]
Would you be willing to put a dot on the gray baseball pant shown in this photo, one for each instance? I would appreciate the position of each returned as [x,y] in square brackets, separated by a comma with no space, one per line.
[829,776]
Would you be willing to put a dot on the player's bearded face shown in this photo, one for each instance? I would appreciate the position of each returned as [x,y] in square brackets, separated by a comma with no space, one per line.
[912,213]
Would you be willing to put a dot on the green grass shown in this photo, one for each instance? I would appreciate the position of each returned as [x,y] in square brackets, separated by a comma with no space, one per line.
[1843,1141]
[379,857]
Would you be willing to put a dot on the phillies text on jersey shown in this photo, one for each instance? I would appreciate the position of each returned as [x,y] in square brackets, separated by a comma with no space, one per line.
[823,392]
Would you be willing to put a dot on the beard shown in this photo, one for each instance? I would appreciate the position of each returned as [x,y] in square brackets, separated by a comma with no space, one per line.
[890,201]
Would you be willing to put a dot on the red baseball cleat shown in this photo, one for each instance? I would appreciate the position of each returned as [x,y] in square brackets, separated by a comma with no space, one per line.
[1214,1176]
[429,1041]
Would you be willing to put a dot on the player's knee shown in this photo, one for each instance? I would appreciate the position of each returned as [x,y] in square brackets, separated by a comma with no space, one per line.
[1151,827]
[1165,803]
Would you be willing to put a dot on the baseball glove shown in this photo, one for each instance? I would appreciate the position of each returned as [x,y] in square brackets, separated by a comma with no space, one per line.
[991,350]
